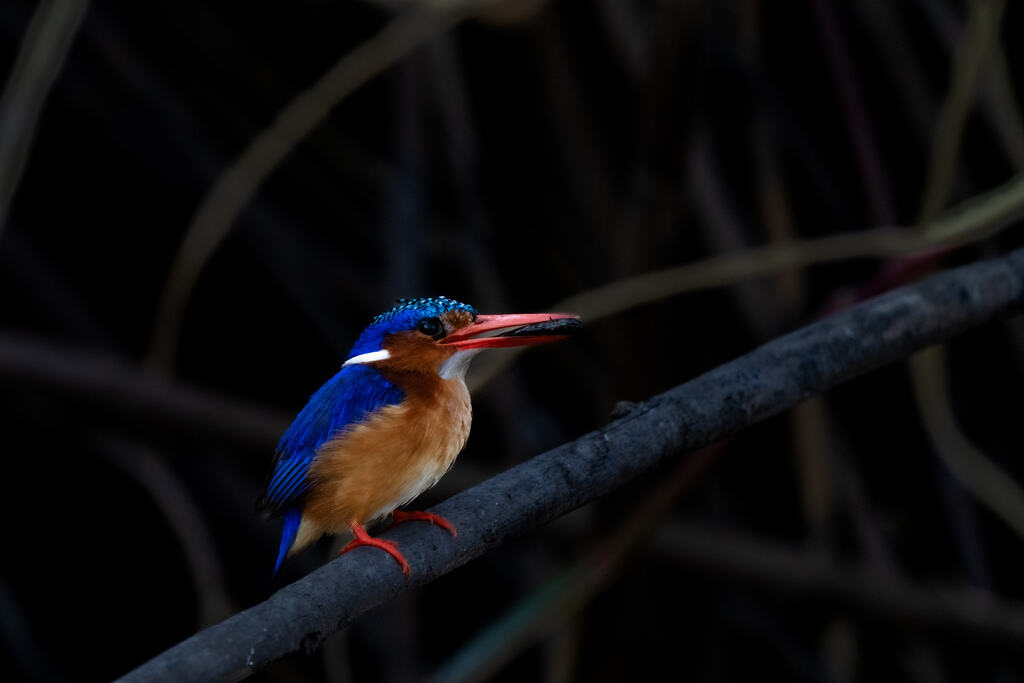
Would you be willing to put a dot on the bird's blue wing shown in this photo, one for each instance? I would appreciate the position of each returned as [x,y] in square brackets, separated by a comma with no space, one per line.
[344,400]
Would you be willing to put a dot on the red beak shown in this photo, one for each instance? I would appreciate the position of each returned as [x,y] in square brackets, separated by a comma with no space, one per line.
[485,332]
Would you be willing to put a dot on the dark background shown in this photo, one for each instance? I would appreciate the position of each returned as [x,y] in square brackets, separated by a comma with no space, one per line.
[532,153]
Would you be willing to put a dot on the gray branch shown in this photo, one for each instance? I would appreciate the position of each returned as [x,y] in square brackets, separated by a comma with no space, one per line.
[769,380]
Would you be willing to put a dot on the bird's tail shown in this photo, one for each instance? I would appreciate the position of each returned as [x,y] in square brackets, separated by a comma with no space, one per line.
[292,519]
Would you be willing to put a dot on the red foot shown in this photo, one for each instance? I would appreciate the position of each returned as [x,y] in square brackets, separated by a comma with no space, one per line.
[405,516]
[363,538]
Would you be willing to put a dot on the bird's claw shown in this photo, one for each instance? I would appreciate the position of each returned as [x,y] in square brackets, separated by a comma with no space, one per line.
[390,547]
[399,516]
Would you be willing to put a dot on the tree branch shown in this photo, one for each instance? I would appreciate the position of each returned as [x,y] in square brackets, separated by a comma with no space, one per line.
[772,378]
[105,379]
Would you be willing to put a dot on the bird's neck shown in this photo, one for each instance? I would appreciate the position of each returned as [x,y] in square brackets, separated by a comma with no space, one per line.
[426,385]
[421,375]
[454,367]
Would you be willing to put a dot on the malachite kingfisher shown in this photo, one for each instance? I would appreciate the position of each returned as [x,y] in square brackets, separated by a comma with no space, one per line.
[390,423]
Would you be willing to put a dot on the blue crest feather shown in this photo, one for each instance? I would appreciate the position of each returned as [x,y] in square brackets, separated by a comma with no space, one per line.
[404,316]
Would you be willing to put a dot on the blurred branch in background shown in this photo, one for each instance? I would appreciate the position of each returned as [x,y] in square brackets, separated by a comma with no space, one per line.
[240,181]
[773,378]
[970,59]
[976,54]
[862,134]
[183,515]
[999,104]
[104,379]
[974,220]
[726,233]
[46,43]
[977,472]
[903,65]
[966,612]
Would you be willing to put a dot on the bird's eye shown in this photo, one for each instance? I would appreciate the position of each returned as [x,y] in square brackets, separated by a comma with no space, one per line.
[431,327]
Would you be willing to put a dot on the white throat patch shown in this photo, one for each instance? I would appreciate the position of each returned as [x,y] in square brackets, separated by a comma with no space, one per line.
[455,366]
[368,357]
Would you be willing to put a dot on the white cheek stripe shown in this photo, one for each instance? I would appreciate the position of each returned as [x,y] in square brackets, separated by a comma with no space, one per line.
[368,357]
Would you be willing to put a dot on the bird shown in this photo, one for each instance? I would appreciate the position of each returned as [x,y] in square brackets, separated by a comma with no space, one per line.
[390,423]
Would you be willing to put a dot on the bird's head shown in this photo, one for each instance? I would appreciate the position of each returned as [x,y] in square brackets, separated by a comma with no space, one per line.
[440,335]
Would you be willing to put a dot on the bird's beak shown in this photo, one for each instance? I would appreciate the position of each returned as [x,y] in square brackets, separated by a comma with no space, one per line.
[516,329]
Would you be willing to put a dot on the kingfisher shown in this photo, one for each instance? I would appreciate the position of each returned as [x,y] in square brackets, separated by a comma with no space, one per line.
[390,423]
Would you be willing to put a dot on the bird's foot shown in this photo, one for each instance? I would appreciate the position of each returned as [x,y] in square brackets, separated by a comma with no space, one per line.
[400,516]
[362,538]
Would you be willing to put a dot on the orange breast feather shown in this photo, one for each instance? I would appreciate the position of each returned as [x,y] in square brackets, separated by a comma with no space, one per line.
[399,452]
